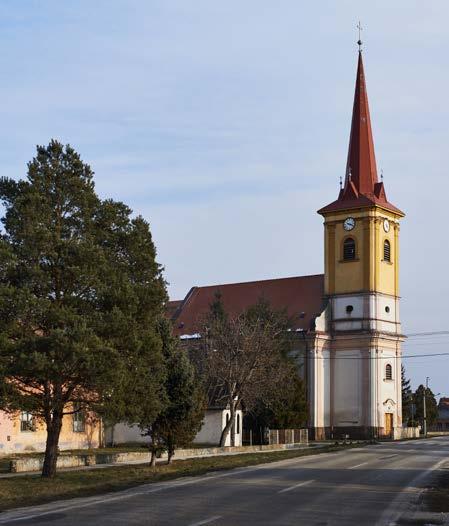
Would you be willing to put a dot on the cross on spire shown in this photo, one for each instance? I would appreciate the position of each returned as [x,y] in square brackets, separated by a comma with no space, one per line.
[362,187]
[359,41]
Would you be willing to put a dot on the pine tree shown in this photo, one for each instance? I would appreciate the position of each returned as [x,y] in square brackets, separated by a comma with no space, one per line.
[407,397]
[80,293]
[431,405]
[182,417]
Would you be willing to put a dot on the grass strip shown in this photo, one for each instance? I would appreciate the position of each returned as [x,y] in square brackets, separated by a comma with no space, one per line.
[32,489]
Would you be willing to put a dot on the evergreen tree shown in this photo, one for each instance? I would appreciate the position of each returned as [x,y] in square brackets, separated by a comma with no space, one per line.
[407,397]
[431,405]
[182,417]
[80,293]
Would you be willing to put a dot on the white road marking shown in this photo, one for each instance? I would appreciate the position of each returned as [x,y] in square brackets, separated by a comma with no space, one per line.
[207,521]
[304,483]
[358,465]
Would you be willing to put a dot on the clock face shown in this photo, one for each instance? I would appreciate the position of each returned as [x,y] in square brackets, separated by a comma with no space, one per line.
[349,223]
[386,225]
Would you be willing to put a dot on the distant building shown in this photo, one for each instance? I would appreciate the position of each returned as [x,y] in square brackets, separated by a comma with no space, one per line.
[23,433]
[442,422]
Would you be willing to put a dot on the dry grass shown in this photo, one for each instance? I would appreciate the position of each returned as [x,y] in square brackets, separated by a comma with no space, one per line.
[31,489]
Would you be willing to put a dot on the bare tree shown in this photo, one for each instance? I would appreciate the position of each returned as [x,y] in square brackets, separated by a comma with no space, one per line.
[242,359]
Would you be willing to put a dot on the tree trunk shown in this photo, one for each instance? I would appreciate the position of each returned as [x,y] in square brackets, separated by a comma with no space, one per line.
[170,448]
[54,425]
[229,425]
[153,458]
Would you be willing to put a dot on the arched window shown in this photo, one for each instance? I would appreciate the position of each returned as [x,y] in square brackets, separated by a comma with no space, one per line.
[388,372]
[349,249]
[387,250]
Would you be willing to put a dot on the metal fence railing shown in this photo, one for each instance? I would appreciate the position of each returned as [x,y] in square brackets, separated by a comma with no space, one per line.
[288,436]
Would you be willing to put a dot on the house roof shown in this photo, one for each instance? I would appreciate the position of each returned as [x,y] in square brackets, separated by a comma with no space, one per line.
[301,296]
[362,187]
[444,402]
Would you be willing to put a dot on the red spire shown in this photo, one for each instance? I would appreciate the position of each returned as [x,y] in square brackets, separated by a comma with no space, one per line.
[361,188]
[361,165]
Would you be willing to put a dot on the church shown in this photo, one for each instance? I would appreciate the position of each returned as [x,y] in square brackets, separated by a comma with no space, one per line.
[346,320]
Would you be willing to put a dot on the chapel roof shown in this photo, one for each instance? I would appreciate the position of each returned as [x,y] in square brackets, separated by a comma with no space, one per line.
[362,187]
[301,296]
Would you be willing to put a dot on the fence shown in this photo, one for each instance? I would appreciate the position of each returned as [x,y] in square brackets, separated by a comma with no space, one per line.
[288,436]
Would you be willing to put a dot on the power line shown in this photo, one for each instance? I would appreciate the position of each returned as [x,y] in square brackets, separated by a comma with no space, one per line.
[434,333]
[404,356]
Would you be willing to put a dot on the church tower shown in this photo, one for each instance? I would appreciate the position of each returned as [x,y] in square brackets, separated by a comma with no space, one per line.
[363,331]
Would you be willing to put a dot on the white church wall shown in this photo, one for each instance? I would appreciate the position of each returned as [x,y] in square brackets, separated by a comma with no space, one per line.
[381,310]
[385,313]
[341,303]
[389,396]
[326,388]
[319,385]
[354,325]
[347,388]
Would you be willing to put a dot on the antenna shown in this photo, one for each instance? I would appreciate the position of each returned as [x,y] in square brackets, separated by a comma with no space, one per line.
[359,41]
[381,175]
[341,183]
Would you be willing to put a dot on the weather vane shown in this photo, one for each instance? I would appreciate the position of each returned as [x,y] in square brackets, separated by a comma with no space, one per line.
[359,41]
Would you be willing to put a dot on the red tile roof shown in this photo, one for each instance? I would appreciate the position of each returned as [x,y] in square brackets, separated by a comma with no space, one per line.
[301,296]
[362,188]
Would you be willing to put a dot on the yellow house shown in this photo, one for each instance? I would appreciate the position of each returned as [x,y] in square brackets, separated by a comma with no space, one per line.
[23,433]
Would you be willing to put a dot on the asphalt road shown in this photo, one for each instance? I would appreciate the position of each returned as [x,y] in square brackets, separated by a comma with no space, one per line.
[374,485]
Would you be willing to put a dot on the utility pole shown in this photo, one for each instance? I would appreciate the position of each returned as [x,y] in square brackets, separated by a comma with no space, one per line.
[425,408]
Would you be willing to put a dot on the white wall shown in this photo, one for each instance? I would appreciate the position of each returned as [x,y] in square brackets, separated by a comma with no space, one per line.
[347,388]
[123,433]
[369,312]
[210,432]
[213,425]
[389,398]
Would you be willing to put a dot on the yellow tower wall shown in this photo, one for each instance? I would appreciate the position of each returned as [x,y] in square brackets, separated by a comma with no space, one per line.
[368,272]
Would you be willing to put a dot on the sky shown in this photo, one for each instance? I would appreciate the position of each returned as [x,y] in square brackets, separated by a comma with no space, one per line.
[226,125]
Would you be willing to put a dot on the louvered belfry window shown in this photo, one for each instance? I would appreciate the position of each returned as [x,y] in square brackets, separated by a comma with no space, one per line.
[388,372]
[349,249]
[387,251]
